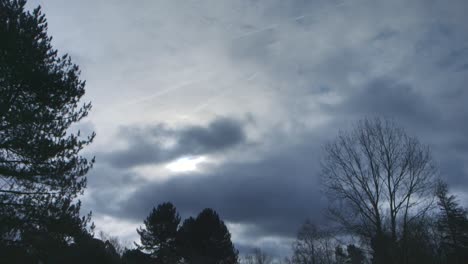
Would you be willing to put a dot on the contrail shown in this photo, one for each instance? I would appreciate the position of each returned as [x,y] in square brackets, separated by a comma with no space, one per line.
[165,91]
[273,26]
[252,76]
[154,95]
[223,93]
[213,98]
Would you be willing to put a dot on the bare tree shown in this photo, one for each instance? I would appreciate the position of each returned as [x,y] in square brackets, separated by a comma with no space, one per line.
[114,241]
[379,178]
[313,246]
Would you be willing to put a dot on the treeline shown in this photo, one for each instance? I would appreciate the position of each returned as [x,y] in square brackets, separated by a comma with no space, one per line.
[204,239]
[163,239]
[440,237]
[387,204]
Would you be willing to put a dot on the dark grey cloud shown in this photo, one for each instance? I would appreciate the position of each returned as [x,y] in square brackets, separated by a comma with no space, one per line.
[391,98]
[437,120]
[274,194]
[454,59]
[220,134]
[385,34]
[147,145]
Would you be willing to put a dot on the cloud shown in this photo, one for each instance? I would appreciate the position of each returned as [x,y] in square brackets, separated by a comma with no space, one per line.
[388,97]
[302,69]
[149,145]
[274,194]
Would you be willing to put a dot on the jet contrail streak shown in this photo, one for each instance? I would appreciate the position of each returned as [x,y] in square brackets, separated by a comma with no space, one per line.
[154,95]
[212,99]
[273,26]
[165,91]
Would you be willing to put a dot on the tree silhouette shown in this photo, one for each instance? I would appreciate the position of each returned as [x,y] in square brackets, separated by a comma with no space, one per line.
[353,255]
[420,244]
[380,181]
[135,256]
[159,234]
[41,170]
[87,250]
[312,245]
[206,240]
[453,226]
[258,257]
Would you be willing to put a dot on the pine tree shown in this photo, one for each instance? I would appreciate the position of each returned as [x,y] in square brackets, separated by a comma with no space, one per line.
[206,240]
[453,226]
[41,169]
[158,237]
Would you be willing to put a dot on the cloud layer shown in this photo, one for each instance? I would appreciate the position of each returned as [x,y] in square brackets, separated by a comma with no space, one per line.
[285,76]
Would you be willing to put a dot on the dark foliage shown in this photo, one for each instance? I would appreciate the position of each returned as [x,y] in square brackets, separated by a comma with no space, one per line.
[452,224]
[135,256]
[41,170]
[206,240]
[159,234]
[84,250]
[88,250]
[353,255]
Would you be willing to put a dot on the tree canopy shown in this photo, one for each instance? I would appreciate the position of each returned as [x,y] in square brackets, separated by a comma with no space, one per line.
[160,232]
[41,169]
[453,226]
[206,239]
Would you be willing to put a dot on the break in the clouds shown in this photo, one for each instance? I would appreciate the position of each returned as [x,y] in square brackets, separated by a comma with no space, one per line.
[159,143]
[275,194]
[160,75]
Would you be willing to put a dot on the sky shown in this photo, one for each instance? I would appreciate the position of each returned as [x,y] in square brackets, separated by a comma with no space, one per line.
[227,104]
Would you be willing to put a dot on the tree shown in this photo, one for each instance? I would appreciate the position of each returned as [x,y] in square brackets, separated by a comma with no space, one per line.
[452,224]
[258,257]
[88,250]
[160,232]
[206,240]
[41,169]
[420,244]
[114,241]
[380,180]
[354,255]
[135,256]
[312,246]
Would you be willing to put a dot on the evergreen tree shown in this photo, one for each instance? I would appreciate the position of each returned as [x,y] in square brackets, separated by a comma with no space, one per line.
[41,169]
[135,256]
[206,240]
[159,234]
[453,226]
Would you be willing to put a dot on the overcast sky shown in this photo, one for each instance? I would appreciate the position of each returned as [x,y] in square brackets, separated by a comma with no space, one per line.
[226,104]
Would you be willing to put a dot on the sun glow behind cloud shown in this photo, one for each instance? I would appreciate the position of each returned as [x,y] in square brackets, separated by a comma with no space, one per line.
[185,164]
